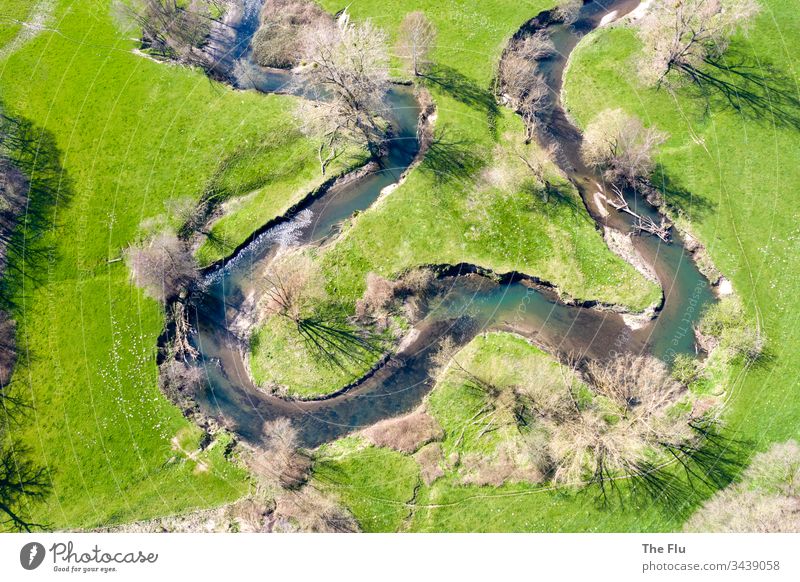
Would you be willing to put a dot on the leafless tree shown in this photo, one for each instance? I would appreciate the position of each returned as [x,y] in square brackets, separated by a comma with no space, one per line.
[163,267]
[348,64]
[632,417]
[277,43]
[293,283]
[174,29]
[539,163]
[281,461]
[416,41]
[680,36]
[567,10]
[524,89]
[619,144]
[311,510]
[179,380]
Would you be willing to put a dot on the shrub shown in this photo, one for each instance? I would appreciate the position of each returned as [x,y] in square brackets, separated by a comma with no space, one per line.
[766,500]
[164,267]
[406,433]
[309,510]
[277,41]
[726,324]
[685,369]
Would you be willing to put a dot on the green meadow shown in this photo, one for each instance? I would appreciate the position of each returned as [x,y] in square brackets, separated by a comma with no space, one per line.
[126,140]
[130,138]
[732,176]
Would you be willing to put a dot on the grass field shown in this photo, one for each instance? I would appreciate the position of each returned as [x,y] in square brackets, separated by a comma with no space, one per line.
[741,174]
[376,484]
[738,173]
[12,14]
[130,136]
[264,177]
[452,209]
[470,199]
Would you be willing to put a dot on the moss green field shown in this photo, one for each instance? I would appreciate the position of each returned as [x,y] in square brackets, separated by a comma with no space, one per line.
[741,172]
[131,138]
[132,135]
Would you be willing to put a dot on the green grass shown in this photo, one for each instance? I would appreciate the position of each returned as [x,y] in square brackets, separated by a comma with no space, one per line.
[374,483]
[506,360]
[741,174]
[451,505]
[12,12]
[448,211]
[743,178]
[280,358]
[131,135]
[263,179]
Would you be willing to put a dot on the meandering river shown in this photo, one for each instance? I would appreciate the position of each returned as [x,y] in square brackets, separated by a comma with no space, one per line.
[465,304]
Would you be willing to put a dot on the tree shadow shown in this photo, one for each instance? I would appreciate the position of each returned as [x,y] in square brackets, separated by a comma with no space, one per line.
[756,89]
[695,207]
[466,91]
[338,345]
[448,159]
[33,152]
[703,467]
[21,482]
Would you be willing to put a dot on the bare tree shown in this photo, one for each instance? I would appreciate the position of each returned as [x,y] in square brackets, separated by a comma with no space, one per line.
[163,267]
[524,89]
[293,283]
[680,36]
[174,29]
[631,418]
[311,510]
[619,144]
[567,10]
[416,41]
[539,162]
[348,64]
[281,461]
[277,43]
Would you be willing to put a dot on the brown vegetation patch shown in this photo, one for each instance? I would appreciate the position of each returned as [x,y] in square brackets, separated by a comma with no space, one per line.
[277,43]
[430,459]
[309,510]
[406,433]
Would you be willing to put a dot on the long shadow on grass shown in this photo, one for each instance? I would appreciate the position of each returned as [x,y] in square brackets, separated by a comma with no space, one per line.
[451,158]
[465,90]
[756,89]
[33,152]
[337,344]
[696,207]
[21,482]
[699,469]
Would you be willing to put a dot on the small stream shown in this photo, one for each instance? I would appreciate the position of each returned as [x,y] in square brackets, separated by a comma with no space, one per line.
[464,304]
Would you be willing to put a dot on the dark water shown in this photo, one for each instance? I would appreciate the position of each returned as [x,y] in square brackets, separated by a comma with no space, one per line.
[464,304]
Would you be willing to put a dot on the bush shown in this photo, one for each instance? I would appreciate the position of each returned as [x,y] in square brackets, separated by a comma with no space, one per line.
[277,41]
[308,510]
[685,369]
[164,267]
[725,323]
[767,500]
[406,433]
